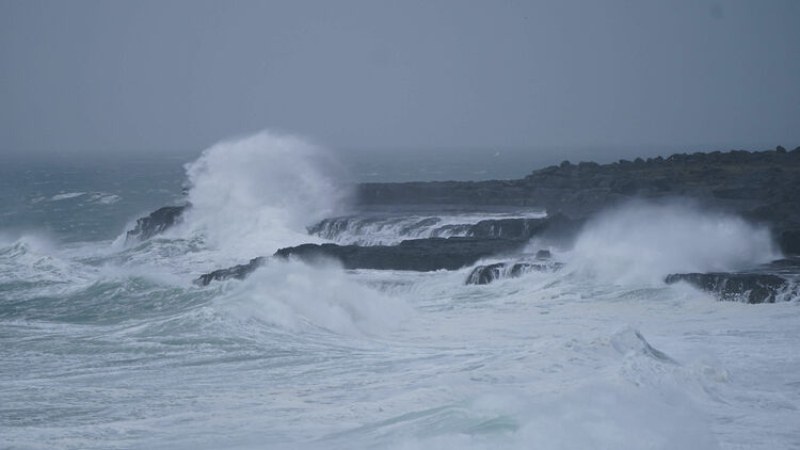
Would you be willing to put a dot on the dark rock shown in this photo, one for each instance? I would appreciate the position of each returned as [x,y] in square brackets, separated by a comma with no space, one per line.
[486,274]
[236,272]
[416,254]
[746,287]
[155,223]
[508,228]
[512,228]
[489,273]
[741,180]
[420,255]
[789,241]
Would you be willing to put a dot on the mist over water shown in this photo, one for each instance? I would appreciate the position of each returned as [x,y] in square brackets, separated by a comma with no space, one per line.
[643,242]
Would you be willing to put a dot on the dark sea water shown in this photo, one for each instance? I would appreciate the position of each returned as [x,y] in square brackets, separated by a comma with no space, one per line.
[108,344]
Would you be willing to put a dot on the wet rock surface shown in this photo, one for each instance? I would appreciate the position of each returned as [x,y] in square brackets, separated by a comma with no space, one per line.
[486,274]
[156,222]
[777,281]
[505,228]
[421,255]
[540,262]
[238,272]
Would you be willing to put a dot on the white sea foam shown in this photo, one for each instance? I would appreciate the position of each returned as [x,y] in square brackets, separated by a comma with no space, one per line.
[643,242]
[254,194]
[295,296]
[102,198]
[599,415]
[66,196]
[35,257]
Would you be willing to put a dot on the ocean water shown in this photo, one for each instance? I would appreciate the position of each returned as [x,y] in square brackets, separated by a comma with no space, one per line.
[108,344]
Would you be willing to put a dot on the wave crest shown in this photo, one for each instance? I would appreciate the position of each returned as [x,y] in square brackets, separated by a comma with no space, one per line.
[260,191]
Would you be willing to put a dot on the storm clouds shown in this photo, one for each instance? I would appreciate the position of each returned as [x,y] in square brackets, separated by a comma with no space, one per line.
[381,76]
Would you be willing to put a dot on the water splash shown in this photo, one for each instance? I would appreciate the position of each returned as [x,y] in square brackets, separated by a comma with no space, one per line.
[252,194]
[642,242]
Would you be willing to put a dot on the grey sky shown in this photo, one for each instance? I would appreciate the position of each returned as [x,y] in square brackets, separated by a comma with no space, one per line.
[162,75]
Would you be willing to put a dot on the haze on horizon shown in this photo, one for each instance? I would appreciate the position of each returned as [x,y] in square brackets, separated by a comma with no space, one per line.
[585,78]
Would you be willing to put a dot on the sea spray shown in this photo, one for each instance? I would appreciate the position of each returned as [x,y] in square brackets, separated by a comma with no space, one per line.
[642,242]
[251,195]
[296,296]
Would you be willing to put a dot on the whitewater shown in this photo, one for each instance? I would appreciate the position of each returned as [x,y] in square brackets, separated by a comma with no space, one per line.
[107,343]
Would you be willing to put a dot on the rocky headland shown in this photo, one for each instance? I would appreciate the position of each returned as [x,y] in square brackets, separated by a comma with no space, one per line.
[763,187]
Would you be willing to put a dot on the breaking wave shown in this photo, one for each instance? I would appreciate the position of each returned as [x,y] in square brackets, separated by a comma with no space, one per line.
[643,242]
[391,229]
[252,194]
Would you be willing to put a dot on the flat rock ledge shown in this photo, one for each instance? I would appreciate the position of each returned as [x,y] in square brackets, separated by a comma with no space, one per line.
[420,255]
[748,287]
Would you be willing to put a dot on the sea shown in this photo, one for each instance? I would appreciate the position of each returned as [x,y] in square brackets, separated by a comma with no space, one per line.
[106,342]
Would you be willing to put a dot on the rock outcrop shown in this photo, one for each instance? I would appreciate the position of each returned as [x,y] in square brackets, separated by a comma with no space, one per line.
[489,273]
[507,228]
[762,186]
[746,287]
[421,255]
[758,286]
[238,272]
[156,222]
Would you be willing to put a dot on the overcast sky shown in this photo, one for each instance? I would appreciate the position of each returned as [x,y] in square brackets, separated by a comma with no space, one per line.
[179,75]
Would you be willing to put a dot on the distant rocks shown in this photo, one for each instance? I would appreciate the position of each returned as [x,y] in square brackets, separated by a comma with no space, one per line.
[518,228]
[524,228]
[156,222]
[763,186]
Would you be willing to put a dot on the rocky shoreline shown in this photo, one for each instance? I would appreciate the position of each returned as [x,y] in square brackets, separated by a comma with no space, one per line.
[763,187]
